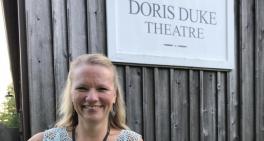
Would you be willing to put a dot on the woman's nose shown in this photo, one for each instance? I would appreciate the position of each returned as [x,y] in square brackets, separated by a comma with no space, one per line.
[91,96]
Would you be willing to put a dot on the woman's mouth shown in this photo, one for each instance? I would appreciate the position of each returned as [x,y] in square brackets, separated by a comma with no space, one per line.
[92,107]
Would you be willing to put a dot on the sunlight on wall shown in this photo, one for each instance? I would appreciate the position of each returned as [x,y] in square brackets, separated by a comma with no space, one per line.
[5,74]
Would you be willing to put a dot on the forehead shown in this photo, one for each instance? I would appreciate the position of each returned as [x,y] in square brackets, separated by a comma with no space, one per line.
[94,70]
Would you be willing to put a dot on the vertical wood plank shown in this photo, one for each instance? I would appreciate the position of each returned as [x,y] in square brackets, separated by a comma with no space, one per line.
[121,77]
[194,105]
[148,104]
[259,70]
[179,105]
[233,107]
[76,15]
[208,106]
[221,107]
[232,85]
[24,84]
[162,102]
[59,22]
[40,64]
[96,26]
[134,98]
[201,91]
[246,80]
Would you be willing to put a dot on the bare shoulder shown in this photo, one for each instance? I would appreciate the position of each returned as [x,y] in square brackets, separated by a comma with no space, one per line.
[37,137]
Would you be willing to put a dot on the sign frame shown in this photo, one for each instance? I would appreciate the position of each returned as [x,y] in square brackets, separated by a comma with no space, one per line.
[114,43]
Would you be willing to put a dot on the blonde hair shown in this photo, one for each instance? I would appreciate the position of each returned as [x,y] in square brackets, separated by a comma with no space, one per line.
[67,113]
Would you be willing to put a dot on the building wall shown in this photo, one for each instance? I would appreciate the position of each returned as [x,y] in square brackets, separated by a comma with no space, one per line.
[163,103]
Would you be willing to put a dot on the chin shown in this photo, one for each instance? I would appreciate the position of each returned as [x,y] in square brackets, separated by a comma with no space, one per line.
[94,118]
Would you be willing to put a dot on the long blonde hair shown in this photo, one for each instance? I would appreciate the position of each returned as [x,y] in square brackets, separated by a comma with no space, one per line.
[67,113]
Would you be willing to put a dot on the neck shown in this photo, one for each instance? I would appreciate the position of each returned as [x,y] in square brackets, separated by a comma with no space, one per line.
[91,131]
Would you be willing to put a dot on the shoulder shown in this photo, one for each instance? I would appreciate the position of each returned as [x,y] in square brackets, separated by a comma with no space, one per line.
[56,134]
[37,137]
[52,134]
[55,131]
[128,135]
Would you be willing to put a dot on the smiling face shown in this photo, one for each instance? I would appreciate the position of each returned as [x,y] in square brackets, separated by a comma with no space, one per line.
[93,92]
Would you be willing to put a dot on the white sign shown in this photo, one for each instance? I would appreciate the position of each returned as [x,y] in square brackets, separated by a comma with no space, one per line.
[193,33]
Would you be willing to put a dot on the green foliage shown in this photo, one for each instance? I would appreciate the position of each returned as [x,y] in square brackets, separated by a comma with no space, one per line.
[8,114]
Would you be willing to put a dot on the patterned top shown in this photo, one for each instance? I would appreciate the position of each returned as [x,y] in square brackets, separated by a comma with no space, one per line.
[61,134]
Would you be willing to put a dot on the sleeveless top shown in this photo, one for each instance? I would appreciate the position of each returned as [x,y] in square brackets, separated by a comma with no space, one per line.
[61,134]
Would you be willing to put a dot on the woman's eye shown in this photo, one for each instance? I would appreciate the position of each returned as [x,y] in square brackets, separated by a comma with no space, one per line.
[81,89]
[102,89]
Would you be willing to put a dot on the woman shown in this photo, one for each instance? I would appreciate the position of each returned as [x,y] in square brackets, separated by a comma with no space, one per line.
[92,107]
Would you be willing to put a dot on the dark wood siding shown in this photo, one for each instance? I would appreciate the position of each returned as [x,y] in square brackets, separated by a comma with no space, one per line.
[60,47]
[259,71]
[40,64]
[163,103]
[133,97]
[148,103]
[194,103]
[179,104]
[246,73]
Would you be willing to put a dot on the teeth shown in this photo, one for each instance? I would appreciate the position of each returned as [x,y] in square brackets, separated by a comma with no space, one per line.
[93,106]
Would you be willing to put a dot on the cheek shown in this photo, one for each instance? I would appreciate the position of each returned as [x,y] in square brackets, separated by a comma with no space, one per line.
[76,98]
[73,97]
[108,100]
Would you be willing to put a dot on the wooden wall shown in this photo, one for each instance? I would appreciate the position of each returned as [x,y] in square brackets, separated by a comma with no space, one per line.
[251,70]
[163,103]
